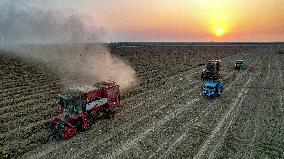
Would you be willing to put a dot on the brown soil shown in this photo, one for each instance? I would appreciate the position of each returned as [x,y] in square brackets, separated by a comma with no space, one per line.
[164,116]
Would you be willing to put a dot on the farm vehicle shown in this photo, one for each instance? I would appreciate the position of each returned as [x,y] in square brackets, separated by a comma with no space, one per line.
[212,70]
[239,65]
[79,109]
[280,52]
[212,88]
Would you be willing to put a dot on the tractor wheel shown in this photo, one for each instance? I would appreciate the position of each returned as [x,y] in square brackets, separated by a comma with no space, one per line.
[217,92]
[108,113]
[119,97]
[79,125]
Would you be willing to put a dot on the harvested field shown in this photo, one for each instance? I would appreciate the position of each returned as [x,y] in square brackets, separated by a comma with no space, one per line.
[164,116]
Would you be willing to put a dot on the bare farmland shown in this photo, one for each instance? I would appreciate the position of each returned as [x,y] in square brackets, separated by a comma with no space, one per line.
[164,116]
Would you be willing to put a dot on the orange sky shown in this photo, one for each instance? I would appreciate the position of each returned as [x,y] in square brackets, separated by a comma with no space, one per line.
[176,20]
[192,20]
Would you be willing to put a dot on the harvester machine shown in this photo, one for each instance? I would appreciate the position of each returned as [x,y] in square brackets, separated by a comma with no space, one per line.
[212,70]
[79,109]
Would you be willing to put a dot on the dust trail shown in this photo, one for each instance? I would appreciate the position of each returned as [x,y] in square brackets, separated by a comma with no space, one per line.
[20,22]
[79,65]
[60,42]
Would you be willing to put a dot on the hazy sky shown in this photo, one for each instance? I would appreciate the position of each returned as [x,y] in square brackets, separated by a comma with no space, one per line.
[159,20]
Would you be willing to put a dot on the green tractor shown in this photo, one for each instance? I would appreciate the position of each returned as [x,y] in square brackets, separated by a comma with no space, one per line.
[239,65]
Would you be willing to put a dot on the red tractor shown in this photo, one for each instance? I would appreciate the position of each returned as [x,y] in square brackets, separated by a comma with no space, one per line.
[79,109]
[212,70]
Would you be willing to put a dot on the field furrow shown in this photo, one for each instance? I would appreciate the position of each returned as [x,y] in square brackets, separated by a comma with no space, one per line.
[163,116]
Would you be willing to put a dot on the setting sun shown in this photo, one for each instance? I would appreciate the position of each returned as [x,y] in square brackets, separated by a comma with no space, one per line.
[144,20]
[219,32]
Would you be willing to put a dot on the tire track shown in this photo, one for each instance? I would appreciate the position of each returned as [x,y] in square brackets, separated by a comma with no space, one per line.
[280,78]
[257,118]
[193,71]
[81,134]
[181,77]
[209,148]
[266,141]
[154,126]
[255,115]
[118,153]
[246,54]
[207,110]
[120,128]
[146,133]
[212,139]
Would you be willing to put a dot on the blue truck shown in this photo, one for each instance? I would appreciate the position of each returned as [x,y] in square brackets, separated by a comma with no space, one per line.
[212,88]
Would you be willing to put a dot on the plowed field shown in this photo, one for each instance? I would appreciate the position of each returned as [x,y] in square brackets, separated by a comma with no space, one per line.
[164,116]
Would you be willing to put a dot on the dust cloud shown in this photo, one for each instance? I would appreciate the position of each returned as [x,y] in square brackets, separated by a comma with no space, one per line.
[34,25]
[79,65]
[64,44]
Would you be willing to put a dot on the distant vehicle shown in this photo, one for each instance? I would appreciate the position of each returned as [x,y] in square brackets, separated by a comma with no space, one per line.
[280,52]
[239,65]
[212,88]
[212,70]
[80,108]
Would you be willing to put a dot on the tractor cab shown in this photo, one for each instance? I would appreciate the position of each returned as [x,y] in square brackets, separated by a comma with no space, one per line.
[212,70]
[212,88]
[239,65]
[72,103]
[72,118]
[211,67]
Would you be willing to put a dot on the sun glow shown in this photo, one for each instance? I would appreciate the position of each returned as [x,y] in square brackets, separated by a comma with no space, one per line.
[186,20]
[220,24]
[219,32]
